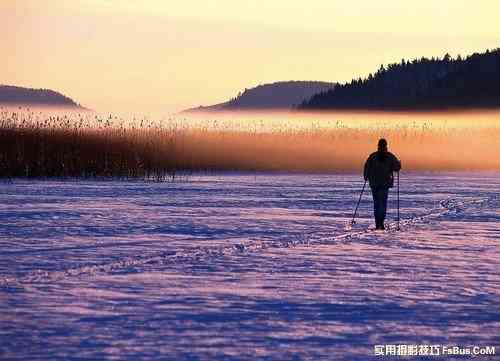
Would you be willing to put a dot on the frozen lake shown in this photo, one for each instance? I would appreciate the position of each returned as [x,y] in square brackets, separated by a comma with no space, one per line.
[246,267]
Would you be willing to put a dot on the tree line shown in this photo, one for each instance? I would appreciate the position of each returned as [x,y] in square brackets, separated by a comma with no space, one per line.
[18,95]
[420,84]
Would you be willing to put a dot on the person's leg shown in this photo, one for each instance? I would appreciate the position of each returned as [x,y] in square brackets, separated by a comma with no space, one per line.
[383,194]
[375,206]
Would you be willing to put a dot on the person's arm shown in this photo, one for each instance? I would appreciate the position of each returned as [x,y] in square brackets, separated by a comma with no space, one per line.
[396,164]
[366,170]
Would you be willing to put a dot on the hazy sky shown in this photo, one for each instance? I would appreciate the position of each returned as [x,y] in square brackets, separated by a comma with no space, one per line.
[166,55]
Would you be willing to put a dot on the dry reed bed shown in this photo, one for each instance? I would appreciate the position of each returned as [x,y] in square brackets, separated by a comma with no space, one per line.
[73,145]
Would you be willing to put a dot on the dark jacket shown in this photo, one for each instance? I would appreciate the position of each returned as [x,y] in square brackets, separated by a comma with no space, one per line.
[379,167]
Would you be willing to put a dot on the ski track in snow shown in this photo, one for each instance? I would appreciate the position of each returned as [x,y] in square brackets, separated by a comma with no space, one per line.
[246,267]
[447,206]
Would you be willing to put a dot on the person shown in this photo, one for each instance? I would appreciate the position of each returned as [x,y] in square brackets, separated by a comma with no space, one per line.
[379,168]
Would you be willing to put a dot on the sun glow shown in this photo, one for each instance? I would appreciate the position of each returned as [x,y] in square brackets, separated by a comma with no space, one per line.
[164,56]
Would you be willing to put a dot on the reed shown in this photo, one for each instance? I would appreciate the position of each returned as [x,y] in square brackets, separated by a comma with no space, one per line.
[35,145]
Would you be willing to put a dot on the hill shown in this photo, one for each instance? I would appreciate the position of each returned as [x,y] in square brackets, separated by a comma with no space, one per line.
[421,84]
[273,96]
[14,95]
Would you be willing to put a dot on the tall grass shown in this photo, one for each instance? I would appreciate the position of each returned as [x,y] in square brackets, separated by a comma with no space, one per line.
[82,145]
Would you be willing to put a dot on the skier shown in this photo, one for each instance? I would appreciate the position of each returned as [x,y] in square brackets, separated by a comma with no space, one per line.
[379,168]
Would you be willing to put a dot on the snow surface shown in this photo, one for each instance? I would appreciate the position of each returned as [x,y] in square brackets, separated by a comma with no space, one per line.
[245,267]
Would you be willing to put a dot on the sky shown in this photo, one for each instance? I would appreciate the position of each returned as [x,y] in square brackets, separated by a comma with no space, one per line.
[162,56]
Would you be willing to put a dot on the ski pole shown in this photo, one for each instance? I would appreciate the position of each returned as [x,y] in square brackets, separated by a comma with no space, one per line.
[357,205]
[398,201]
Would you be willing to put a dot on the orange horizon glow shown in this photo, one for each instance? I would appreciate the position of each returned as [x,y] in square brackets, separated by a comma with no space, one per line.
[285,142]
[163,56]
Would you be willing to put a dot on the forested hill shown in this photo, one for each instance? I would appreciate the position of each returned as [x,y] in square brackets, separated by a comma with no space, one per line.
[423,84]
[27,96]
[279,95]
